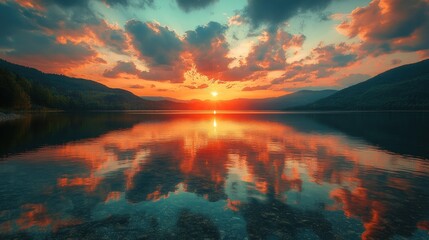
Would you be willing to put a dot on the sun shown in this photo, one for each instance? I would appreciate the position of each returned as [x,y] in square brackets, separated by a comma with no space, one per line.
[214,94]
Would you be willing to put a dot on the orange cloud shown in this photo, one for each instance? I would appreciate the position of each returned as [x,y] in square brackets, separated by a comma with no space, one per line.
[387,26]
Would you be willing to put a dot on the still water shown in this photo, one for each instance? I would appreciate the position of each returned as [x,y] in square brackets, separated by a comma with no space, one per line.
[182,175]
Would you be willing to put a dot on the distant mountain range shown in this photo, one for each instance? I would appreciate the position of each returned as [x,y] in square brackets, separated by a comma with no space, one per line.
[159,98]
[295,99]
[402,88]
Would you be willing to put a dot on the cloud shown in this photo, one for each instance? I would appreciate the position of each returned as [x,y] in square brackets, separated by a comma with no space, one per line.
[45,53]
[322,62]
[126,3]
[136,86]
[72,21]
[67,4]
[209,49]
[156,44]
[270,52]
[112,37]
[190,5]
[201,86]
[387,26]
[121,67]
[275,12]
[56,35]
[163,90]
[235,20]
[158,73]
[334,55]
[24,40]
[256,88]
[203,36]
[160,48]
[60,14]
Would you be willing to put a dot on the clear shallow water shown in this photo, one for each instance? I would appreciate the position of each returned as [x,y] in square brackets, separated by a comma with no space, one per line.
[142,175]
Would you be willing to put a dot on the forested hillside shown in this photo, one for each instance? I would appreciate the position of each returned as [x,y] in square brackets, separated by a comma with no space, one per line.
[25,88]
[402,88]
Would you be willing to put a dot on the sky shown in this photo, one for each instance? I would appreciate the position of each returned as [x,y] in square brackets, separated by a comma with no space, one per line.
[187,49]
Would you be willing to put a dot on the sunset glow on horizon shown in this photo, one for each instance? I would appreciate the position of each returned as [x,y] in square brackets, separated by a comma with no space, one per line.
[244,49]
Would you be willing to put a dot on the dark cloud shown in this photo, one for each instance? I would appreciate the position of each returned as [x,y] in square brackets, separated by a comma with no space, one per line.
[156,44]
[113,38]
[275,12]
[344,59]
[12,20]
[139,3]
[25,41]
[290,77]
[209,49]
[172,74]
[65,14]
[189,5]
[46,53]
[50,31]
[389,26]
[121,67]
[161,50]
[65,25]
[161,73]
[26,45]
[334,55]
[202,36]
[85,3]
[64,3]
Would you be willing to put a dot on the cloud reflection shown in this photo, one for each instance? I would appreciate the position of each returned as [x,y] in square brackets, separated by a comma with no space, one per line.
[283,177]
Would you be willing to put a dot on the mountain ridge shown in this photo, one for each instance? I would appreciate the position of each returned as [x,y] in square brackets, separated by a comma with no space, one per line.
[402,88]
[298,98]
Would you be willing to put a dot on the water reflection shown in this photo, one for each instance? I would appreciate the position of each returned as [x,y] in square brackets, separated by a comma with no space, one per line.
[215,176]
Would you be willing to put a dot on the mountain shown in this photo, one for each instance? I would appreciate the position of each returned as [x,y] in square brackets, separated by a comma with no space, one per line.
[159,98]
[29,87]
[402,88]
[295,99]
[291,100]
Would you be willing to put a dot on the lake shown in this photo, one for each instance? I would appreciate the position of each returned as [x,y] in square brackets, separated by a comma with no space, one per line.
[229,175]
